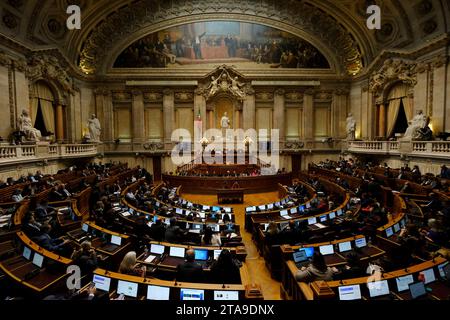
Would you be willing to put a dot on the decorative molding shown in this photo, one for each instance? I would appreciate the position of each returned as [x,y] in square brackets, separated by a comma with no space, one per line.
[168,92]
[47,67]
[439,61]
[225,79]
[152,96]
[101,91]
[294,96]
[323,95]
[184,96]
[309,92]
[264,96]
[392,71]
[121,96]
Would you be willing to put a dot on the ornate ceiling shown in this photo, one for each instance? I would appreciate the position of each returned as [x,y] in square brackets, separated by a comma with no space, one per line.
[336,27]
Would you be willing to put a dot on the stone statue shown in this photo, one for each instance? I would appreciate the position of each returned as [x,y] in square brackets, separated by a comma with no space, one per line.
[351,127]
[213,87]
[26,126]
[236,88]
[418,122]
[94,128]
[225,121]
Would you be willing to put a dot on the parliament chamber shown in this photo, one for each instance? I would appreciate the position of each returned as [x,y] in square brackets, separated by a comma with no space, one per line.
[242,151]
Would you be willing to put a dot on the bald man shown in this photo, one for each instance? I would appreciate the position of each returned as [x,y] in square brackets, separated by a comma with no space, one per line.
[189,271]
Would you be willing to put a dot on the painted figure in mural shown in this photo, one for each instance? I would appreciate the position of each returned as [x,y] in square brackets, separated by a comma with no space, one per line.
[26,126]
[351,127]
[94,128]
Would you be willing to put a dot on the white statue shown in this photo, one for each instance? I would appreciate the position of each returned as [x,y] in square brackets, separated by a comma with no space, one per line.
[26,126]
[94,128]
[418,122]
[225,122]
[351,127]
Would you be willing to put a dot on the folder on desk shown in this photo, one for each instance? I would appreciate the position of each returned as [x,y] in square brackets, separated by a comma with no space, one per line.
[319,225]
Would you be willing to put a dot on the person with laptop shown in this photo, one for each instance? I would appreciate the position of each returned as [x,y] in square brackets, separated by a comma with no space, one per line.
[56,245]
[190,271]
[317,270]
[209,238]
[173,233]
[158,230]
[353,268]
[225,269]
[129,265]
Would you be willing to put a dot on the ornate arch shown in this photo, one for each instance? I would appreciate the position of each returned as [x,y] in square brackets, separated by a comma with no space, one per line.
[302,19]
[42,67]
[392,73]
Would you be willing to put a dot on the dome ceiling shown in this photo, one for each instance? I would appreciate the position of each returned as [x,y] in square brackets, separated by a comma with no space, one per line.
[336,28]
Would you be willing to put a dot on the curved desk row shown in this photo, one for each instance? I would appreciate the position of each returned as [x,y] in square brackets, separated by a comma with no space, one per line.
[139,288]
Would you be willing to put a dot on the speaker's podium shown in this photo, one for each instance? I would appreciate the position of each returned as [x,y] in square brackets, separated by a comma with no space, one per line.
[230,196]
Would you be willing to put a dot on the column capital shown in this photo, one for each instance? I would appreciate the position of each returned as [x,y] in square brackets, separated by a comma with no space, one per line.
[136,92]
[168,92]
[309,92]
[280,92]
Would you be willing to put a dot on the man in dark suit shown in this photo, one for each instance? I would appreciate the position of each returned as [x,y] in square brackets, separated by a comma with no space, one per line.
[189,271]
[157,230]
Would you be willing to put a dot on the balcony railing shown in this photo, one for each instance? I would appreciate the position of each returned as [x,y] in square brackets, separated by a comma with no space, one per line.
[418,148]
[13,154]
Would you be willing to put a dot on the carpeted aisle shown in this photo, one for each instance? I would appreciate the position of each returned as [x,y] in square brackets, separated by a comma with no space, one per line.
[256,265]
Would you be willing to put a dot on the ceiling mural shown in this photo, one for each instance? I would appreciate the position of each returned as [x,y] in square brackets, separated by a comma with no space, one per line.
[229,42]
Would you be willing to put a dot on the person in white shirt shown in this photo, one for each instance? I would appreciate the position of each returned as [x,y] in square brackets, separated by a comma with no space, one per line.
[210,238]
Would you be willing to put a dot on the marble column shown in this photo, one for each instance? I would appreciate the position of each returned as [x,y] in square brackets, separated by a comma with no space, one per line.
[249,112]
[278,114]
[59,128]
[438,111]
[308,114]
[138,117]
[104,112]
[169,116]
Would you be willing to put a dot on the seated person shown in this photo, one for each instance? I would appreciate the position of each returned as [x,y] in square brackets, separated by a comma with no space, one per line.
[30,226]
[56,245]
[43,211]
[189,271]
[173,233]
[130,267]
[60,193]
[210,238]
[225,269]
[317,270]
[272,233]
[353,268]
[158,230]
[85,258]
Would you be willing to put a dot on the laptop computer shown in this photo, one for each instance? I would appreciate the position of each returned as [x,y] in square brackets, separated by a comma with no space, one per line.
[417,290]
[300,258]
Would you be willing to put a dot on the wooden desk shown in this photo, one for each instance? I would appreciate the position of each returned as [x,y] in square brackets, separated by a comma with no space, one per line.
[212,184]
[227,196]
